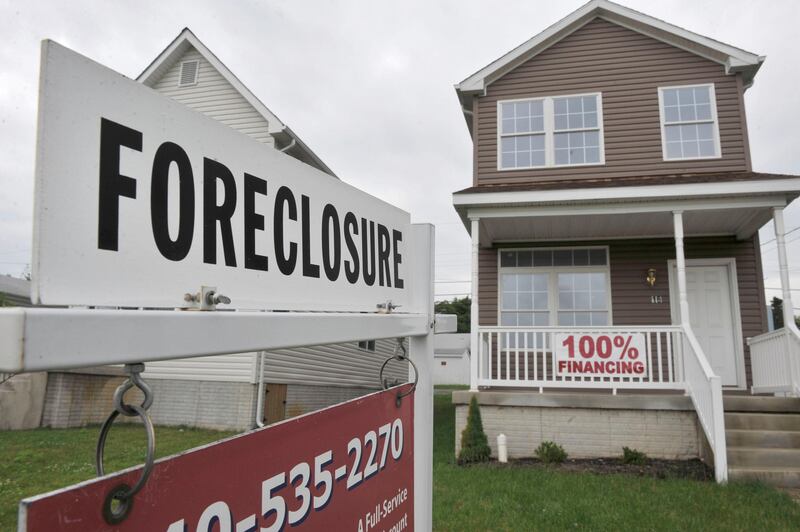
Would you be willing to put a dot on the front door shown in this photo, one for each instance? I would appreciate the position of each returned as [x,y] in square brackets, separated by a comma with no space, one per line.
[711,317]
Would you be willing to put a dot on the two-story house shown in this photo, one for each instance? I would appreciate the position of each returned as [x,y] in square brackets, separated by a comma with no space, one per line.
[614,217]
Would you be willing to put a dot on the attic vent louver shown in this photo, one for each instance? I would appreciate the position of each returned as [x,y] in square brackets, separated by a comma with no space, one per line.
[188,73]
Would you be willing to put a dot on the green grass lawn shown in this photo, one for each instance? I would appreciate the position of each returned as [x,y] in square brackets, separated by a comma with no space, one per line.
[494,497]
[41,460]
[485,497]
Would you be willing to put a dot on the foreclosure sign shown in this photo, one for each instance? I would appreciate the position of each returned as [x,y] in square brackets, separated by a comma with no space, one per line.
[345,468]
[140,200]
[601,355]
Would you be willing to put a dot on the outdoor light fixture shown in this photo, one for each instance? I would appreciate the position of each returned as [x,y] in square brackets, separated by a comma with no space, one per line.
[651,277]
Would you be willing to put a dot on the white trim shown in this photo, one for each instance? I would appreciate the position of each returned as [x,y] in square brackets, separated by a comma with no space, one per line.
[552,286]
[175,51]
[549,131]
[714,121]
[723,189]
[734,59]
[171,53]
[624,208]
[736,316]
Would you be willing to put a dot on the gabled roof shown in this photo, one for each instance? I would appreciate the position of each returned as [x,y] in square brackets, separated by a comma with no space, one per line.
[186,40]
[734,59]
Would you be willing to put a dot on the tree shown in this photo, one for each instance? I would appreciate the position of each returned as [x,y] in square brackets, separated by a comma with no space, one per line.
[474,443]
[777,313]
[458,306]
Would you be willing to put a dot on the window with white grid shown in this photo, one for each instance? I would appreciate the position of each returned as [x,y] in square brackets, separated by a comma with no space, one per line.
[689,128]
[550,131]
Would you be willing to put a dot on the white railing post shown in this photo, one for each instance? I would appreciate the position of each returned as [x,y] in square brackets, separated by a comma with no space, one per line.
[680,261]
[473,324]
[792,332]
[783,266]
[719,443]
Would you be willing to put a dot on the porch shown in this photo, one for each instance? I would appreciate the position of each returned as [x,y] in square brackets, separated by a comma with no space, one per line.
[673,316]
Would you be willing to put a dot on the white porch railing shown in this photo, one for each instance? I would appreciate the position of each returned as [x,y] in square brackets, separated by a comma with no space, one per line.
[705,389]
[524,357]
[775,360]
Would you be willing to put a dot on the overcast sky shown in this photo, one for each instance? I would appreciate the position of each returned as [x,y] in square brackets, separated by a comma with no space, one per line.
[368,85]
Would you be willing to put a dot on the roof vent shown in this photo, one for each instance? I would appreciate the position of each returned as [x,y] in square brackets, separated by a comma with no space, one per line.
[188,73]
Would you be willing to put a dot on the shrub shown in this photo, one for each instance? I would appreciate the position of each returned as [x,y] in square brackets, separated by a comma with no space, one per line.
[632,456]
[474,444]
[550,453]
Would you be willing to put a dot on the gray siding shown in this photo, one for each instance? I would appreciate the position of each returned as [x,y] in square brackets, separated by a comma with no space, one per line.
[333,365]
[627,68]
[214,97]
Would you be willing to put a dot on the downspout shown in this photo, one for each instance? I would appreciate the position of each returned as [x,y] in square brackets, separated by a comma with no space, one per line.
[260,399]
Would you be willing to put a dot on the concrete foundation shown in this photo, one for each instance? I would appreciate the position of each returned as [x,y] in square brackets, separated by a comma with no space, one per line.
[586,425]
[22,401]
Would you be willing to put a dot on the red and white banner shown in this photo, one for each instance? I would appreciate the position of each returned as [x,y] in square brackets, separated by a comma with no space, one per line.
[349,467]
[601,355]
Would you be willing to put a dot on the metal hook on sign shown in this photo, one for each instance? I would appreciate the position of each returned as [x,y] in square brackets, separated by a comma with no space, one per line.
[119,500]
[401,358]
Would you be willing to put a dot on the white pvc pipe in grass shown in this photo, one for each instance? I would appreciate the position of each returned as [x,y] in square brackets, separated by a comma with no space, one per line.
[502,449]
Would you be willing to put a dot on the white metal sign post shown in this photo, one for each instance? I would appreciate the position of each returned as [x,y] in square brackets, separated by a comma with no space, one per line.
[142,203]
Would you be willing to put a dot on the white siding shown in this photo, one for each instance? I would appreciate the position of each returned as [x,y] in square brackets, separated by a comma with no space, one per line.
[237,367]
[215,97]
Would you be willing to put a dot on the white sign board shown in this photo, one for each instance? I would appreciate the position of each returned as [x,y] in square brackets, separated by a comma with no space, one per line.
[139,200]
[601,355]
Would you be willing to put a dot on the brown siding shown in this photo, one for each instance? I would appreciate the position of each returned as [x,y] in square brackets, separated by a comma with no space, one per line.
[630,296]
[627,68]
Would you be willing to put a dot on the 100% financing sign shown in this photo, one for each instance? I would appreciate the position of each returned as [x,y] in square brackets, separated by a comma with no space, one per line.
[601,355]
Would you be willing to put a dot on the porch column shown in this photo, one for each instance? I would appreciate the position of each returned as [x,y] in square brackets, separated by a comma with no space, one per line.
[680,262]
[473,324]
[783,265]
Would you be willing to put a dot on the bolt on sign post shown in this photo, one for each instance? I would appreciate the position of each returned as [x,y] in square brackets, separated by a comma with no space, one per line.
[348,467]
[155,219]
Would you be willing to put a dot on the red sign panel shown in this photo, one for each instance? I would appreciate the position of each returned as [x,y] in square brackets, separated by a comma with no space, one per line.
[348,467]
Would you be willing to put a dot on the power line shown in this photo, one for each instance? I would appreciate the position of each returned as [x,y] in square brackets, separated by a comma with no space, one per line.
[784,234]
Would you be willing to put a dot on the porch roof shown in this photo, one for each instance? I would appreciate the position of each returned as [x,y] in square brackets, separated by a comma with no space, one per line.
[713,204]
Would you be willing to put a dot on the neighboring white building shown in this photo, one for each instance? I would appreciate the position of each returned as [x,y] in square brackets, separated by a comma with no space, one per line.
[451,359]
[221,391]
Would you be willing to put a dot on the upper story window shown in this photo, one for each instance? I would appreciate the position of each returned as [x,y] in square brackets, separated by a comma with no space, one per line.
[551,131]
[689,128]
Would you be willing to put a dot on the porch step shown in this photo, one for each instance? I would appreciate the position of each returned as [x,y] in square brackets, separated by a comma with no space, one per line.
[745,403]
[757,457]
[761,421]
[765,439]
[785,477]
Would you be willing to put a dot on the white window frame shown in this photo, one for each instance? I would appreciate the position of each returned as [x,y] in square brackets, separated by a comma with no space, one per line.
[714,120]
[367,345]
[552,287]
[549,131]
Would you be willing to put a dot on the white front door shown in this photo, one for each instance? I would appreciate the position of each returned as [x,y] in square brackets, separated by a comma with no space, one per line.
[711,318]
